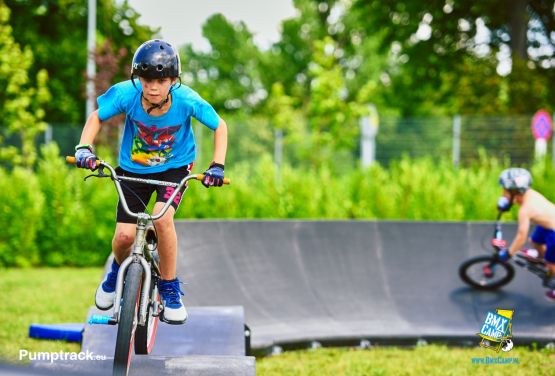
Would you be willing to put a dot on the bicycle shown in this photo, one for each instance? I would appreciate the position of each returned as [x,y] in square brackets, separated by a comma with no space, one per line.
[488,272]
[137,305]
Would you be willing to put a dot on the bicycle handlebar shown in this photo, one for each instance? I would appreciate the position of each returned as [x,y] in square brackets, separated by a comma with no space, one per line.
[72,160]
[117,178]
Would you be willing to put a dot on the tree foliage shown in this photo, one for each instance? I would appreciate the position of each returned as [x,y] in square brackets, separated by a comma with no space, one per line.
[56,32]
[440,47]
[229,74]
[407,57]
[333,119]
[21,99]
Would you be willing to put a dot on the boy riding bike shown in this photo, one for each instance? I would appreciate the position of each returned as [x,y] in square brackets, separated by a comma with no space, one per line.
[157,143]
[534,207]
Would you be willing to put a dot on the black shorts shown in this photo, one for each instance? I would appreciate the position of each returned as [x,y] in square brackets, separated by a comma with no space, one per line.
[137,195]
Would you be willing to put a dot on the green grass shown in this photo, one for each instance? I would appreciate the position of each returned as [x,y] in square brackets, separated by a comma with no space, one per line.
[64,295]
[44,296]
[424,360]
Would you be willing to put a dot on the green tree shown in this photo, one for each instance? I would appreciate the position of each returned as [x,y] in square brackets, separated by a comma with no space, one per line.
[306,91]
[22,101]
[436,46]
[114,65]
[288,59]
[332,119]
[228,74]
[56,32]
[283,116]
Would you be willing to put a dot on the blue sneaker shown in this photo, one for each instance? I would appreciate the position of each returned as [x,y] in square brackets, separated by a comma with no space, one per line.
[174,311]
[106,292]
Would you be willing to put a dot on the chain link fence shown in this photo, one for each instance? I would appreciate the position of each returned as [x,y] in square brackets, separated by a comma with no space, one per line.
[461,139]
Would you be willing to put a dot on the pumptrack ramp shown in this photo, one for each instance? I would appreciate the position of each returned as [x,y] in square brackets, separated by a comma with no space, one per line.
[311,283]
[212,342]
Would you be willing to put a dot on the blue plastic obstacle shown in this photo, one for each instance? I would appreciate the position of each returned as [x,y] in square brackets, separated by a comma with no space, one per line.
[66,332]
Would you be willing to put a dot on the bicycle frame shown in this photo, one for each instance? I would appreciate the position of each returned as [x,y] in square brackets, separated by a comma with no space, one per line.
[534,268]
[498,232]
[137,250]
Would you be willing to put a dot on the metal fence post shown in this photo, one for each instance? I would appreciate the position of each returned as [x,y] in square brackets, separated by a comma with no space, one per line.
[456,140]
[48,134]
[278,152]
[368,132]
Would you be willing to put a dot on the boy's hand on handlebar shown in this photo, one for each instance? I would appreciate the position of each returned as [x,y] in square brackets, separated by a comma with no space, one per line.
[499,243]
[503,204]
[214,176]
[504,255]
[85,157]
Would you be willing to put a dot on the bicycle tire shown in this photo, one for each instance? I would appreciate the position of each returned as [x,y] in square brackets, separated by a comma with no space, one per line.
[146,335]
[482,282]
[128,319]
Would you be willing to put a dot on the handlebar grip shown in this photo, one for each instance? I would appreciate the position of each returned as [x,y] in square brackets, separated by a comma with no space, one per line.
[72,160]
[201,176]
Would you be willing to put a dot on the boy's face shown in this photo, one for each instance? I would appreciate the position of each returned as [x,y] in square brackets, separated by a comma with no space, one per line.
[514,198]
[155,90]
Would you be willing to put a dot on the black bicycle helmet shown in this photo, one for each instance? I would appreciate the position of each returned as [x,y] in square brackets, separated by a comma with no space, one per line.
[515,179]
[156,59]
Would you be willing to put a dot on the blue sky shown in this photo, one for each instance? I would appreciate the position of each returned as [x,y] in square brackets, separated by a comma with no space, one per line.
[181,20]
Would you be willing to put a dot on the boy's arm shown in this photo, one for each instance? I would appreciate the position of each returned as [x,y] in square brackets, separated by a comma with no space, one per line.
[220,143]
[84,152]
[214,176]
[522,231]
[91,129]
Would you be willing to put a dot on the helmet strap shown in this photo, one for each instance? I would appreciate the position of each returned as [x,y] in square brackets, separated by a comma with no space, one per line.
[176,87]
[512,198]
[133,82]
[155,105]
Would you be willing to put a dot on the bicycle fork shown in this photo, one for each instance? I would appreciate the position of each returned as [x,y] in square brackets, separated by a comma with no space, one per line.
[135,256]
[145,287]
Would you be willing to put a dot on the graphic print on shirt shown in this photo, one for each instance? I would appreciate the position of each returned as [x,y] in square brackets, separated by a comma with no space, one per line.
[153,146]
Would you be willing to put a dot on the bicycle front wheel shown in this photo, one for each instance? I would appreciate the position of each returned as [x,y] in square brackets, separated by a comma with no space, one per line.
[486,273]
[128,318]
[145,335]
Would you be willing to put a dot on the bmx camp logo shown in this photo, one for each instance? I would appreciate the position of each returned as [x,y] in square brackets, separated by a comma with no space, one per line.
[497,331]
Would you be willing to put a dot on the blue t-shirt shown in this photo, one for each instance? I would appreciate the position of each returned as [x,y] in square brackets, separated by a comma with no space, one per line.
[156,143]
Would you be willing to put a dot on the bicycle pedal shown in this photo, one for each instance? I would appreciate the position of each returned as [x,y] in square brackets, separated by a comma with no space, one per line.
[103,320]
[156,309]
[549,283]
[520,262]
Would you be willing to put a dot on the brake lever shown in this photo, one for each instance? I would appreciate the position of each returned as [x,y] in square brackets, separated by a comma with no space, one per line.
[100,174]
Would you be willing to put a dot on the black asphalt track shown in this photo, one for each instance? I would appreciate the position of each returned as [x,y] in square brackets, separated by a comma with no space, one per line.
[306,283]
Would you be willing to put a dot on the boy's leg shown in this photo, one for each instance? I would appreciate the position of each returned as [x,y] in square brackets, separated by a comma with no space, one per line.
[550,263]
[167,242]
[540,248]
[121,247]
[549,254]
[123,239]
[136,195]
[169,286]
[549,281]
